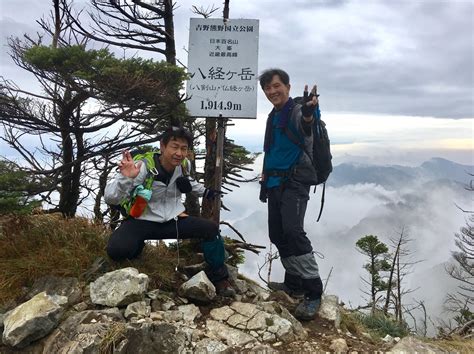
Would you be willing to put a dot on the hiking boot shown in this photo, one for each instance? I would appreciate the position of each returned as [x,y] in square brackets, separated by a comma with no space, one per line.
[224,288]
[307,309]
[296,293]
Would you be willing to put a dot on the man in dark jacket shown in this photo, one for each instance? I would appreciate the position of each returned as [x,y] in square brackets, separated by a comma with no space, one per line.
[287,175]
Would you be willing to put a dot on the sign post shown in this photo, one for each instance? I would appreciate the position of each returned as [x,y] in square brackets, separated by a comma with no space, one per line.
[223,69]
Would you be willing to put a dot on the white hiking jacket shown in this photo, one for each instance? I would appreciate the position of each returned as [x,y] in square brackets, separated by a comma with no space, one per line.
[165,203]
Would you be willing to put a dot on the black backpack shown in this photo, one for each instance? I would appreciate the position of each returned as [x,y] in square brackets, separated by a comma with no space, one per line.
[320,156]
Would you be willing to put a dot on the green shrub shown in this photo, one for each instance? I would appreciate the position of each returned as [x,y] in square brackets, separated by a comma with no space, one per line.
[383,325]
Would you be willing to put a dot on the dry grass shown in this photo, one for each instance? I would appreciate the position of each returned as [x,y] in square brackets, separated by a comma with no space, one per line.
[32,246]
[159,263]
[453,345]
[113,336]
[350,323]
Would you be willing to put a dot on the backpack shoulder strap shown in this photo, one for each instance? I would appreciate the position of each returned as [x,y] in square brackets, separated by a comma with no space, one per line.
[292,135]
[185,165]
[148,159]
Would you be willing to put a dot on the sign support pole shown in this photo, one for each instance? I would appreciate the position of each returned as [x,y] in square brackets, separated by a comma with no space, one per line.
[219,167]
[220,147]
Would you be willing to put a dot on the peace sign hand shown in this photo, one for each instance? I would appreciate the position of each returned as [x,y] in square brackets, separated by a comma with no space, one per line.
[310,101]
[127,166]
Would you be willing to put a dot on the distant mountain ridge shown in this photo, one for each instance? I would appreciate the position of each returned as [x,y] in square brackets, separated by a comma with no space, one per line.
[394,176]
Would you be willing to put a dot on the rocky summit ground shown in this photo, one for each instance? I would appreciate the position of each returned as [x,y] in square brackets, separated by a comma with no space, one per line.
[118,313]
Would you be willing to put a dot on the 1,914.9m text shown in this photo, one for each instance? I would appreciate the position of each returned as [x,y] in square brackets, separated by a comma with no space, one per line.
[222,105]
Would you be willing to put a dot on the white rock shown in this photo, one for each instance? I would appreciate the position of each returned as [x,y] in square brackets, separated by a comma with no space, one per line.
[268,337]
[339,345]
[254,334]
[414,345]
[238,321]
[241,286]
[153,294]
[259,321]
[246,309]
[172,316]
[199,287]
[221,313]
[137,309]
[167,305]
[284,330]
[82,306]
[120,287]
[232,336]
[157,315]
[208,345]
[190,312]
[330,310]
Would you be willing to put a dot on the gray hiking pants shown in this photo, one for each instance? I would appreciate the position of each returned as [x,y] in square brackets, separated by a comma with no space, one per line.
[286,211]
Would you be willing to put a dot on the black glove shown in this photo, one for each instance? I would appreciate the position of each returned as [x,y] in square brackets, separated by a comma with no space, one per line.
[307,111]
[183,184]
[211,193]
[263,192]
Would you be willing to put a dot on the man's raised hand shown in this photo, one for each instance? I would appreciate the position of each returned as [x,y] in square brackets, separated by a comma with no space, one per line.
[310,101]
[127,166]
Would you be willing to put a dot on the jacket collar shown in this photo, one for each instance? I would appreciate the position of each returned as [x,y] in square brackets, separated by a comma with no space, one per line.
[285,114]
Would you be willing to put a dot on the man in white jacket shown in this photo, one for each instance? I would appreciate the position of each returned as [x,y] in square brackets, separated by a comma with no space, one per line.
[164,216]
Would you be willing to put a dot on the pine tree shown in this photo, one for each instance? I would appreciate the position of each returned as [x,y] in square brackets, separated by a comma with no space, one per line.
[377,252]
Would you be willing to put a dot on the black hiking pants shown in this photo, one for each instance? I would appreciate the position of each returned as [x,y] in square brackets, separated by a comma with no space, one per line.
[286,211]
[128,240]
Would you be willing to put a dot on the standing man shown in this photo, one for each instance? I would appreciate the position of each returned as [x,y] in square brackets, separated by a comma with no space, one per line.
[287,175]
[163,215]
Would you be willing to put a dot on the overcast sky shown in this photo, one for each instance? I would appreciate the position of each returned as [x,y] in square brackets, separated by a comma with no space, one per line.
[373,61]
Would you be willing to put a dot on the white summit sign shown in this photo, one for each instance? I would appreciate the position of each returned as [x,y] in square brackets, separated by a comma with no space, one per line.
[223,68]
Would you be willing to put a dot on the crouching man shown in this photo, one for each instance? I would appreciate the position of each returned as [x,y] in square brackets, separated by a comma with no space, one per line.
[161,215]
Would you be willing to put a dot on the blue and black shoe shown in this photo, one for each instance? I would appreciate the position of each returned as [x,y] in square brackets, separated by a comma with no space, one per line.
[307,309]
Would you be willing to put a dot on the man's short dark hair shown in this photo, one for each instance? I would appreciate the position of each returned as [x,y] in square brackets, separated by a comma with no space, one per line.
[267,76]
[175,133]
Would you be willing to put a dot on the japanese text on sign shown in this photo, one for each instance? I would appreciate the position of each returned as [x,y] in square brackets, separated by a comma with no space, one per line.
[223,71]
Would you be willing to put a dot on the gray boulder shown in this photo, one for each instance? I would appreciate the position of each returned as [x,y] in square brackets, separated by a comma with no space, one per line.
[255,290]
[119,288]
[232,336]
[242,324]
[152,338]
[199,287]
[52,285]
[208,345]
[137,309]
[273,307]
[32,320]
[190,312]
[84,332]
[221,313]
